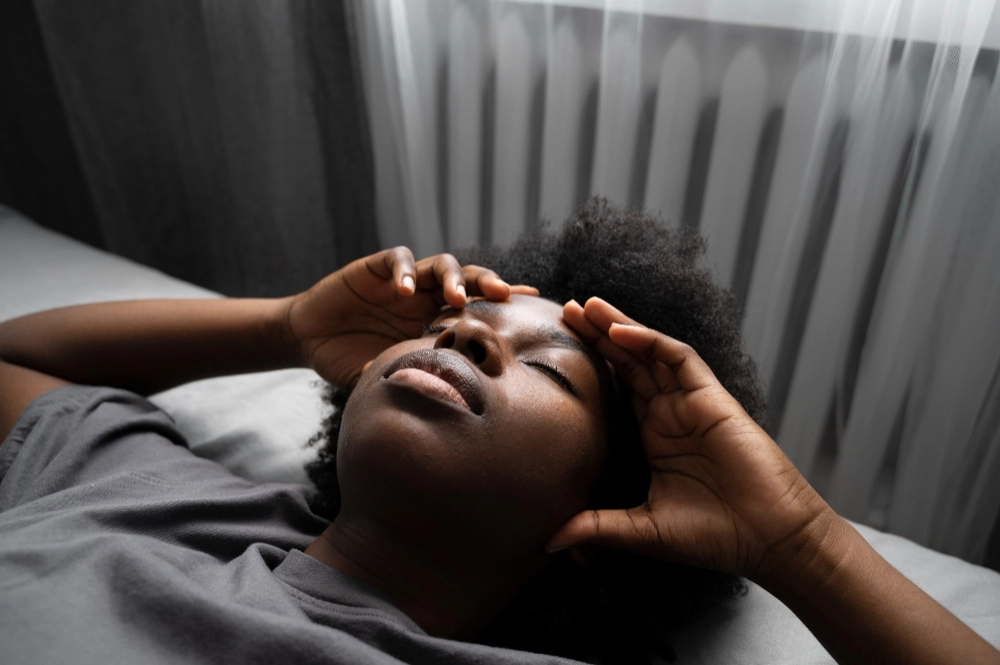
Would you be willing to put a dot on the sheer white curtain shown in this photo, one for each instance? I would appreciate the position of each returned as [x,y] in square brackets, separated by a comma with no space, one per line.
[841,157]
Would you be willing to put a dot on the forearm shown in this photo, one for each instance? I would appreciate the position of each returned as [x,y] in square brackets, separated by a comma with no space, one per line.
[151,345]
[863,610]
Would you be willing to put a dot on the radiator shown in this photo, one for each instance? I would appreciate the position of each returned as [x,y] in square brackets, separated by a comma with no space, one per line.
[846,183]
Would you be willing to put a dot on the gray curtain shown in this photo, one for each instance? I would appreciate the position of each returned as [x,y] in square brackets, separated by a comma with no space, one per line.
[223,142]
[841,159]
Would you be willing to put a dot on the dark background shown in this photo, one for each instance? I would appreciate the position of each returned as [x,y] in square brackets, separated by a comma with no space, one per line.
[171,203]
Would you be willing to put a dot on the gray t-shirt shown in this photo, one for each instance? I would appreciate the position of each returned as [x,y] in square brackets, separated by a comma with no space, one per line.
[118,545]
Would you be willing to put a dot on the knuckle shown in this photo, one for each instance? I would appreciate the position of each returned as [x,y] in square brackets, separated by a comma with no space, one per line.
[401,254]
[595,518]
[648,352]
[630,367]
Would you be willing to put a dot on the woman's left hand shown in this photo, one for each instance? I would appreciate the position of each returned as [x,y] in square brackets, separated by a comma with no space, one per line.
[354,314]
[722,494]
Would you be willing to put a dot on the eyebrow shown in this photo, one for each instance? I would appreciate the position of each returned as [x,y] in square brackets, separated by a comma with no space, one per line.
[487,307]
[560,338]
[551,335]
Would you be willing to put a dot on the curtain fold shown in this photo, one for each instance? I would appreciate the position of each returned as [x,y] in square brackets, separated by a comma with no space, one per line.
[222,142]
[842,159]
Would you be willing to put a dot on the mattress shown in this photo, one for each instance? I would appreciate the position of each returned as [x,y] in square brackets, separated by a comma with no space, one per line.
[257,426]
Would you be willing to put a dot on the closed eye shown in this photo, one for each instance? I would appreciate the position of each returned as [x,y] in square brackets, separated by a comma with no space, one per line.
[556,375]
[431,330]
[551,371]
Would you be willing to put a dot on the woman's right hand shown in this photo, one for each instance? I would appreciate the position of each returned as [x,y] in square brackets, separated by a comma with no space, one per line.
[354,314]
[722,494]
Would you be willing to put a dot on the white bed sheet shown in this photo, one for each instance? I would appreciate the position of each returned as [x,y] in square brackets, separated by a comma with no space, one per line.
[256,425]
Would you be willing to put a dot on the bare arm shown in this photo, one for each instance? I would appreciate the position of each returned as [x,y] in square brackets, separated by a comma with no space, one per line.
[862,609]
[151,345]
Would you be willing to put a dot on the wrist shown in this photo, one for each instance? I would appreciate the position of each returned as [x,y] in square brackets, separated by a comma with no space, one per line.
[802,565]
[279,332]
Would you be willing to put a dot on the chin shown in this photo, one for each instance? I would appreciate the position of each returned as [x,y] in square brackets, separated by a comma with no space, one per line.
[407,456]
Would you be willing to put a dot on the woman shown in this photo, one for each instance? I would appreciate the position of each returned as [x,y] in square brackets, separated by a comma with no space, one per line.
[480,450]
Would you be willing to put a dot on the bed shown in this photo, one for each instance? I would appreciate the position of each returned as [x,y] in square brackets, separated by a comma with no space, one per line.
[257,424]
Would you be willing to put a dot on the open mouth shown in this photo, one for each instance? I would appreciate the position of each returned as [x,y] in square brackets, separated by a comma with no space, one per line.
[440,375]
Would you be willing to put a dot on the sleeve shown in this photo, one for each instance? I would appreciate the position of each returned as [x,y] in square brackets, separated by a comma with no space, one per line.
[79,435]
[102,461]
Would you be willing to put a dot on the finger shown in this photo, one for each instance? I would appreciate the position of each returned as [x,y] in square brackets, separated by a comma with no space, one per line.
[631,530]
[647,377]
[691,371]
[484,282]
[637,373]
[524,290]
[398,264]
[576,319]
[664,377]
[603,314]
[443,271]
[683,419]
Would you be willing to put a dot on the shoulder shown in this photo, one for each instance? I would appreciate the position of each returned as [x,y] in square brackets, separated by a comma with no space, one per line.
[74,435]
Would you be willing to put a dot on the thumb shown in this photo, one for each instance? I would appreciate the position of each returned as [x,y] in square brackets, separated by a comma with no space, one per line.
[632,530]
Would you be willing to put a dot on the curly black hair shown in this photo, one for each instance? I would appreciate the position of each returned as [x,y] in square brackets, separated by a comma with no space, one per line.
[619,607]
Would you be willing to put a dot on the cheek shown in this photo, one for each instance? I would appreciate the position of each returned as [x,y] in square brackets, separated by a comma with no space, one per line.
[554,447]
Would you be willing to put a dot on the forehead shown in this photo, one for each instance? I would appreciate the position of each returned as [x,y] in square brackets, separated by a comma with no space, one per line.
[518,311]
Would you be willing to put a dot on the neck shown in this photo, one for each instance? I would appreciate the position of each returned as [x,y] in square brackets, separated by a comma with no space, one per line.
[446,587]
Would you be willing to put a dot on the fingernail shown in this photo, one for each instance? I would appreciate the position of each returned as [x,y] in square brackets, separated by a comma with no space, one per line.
[573,301]
[553,550]
[461,289]
[408,283]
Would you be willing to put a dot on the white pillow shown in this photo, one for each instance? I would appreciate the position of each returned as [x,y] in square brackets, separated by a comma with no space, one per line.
[256,425]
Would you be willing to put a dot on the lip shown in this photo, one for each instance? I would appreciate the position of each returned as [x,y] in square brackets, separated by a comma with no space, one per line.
[449,367]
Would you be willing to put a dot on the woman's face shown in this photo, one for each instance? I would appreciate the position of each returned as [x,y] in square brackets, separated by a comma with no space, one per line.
[489,427]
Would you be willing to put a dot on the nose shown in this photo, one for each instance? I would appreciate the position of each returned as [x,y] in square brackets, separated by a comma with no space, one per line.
[475,340]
